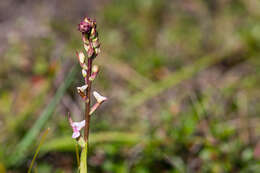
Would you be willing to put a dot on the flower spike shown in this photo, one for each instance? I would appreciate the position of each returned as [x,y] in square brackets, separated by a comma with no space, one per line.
[91,43]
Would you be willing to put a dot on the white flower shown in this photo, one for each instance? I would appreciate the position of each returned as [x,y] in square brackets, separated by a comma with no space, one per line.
[99,97]
[76,127]
[82,88]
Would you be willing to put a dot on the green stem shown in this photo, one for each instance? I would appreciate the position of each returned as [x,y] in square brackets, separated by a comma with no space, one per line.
[83,159]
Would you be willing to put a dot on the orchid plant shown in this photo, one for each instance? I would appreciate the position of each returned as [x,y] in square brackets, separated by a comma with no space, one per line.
[90,39]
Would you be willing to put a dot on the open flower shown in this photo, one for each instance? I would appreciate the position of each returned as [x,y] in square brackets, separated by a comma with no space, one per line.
[81,91]
[76,127]
[82,88]
[99,97]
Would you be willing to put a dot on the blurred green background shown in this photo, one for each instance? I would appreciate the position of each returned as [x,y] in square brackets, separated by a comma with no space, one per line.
[182,78]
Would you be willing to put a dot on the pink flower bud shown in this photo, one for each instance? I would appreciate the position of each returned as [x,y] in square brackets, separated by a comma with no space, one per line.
[84,27]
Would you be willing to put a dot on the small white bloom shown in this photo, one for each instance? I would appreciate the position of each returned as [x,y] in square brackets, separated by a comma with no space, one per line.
[82,88]
[99,97]
[75,134]
[79,125]
[76,127]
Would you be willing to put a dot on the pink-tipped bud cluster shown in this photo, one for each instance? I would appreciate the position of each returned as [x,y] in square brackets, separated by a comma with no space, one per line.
[86,25]
[90,37]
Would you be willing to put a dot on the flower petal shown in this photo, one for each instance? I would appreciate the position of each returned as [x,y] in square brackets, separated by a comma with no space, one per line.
[82,88]
[99,97]
[79,125]
[75,134]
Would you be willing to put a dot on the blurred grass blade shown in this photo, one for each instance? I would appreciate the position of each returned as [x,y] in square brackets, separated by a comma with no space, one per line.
[30,136]
[2,168]
[38,148]
[172,80]
[125,71]
[66,143]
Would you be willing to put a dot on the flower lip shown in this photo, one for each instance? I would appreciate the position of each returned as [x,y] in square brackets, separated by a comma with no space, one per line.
[75,135]
[76,127]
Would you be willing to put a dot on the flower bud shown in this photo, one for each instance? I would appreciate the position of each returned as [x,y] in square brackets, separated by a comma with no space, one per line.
[95,69]
[95,43]
[84,27]
[87,25]
[81,57]
[93,33]
[89,50]
[84,73]
[90,37]
[97,51]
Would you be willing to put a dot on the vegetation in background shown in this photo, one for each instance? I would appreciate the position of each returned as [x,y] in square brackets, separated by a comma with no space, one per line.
[182,77]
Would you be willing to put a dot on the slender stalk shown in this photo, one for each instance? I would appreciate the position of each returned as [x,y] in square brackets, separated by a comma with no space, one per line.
[92,46]
[87,102]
